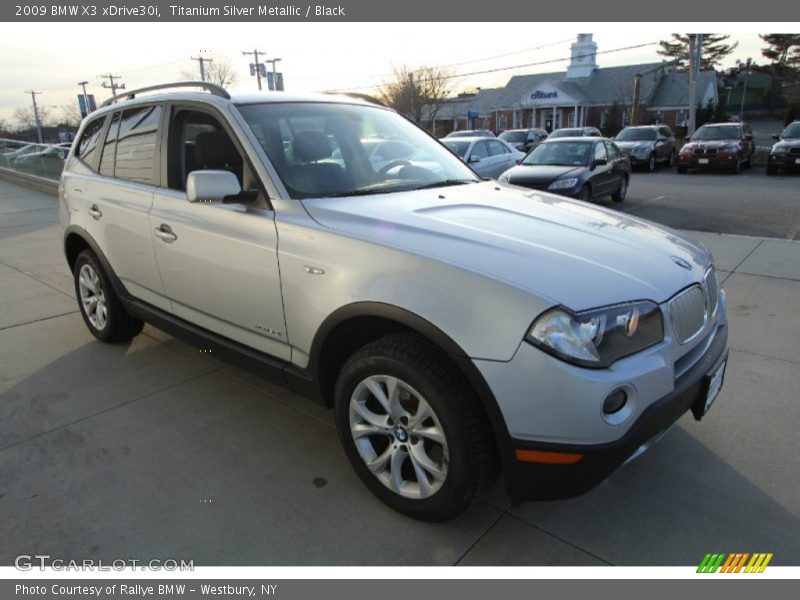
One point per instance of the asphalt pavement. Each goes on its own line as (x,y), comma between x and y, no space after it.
(750,203)
(155,450)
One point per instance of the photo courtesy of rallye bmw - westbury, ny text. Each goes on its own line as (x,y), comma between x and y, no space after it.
(398,299)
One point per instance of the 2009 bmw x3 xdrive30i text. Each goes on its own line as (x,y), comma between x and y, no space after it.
(458,328)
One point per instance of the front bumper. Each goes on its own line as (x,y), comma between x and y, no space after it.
(790,162)
(539,481)
(707,161)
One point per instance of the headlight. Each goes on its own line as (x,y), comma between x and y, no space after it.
(778,149)
(596,338)
(563,184)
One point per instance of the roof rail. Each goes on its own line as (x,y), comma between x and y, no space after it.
(215,89)
(358,96)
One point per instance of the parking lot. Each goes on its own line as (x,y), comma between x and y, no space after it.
(156,450)
(750,203)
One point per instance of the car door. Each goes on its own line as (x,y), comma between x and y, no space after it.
(119,199)
(618,163)
(501,156)
(602,178)
(479,160)
(218,262)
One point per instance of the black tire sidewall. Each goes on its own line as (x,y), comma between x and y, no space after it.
(450,499)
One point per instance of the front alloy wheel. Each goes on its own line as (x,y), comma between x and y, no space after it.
(398,436)
(413,428)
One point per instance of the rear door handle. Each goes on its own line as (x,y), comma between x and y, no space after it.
(164,233)
(95,212)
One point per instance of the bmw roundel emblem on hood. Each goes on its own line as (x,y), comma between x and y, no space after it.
(681,263)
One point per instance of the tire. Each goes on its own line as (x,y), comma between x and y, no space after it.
(772,170)
(99,305)
(737,166)
(585,193)
(651,163)
(671,159)
(456,458)
(622,191)
(682,170)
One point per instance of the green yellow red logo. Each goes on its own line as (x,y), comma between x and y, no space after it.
(738,562)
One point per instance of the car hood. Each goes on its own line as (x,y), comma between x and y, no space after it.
(541,174)
(632,145)
(788,143)
(564,251)
(714,143)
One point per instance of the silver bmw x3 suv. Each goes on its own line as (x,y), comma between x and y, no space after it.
(459,328)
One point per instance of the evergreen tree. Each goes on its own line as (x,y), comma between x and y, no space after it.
(715,48)
(782,51)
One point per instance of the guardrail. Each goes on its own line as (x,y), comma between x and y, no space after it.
(44,161)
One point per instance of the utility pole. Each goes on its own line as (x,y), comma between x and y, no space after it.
(637,86)
(202,60)
(113,86)
(255,54)
(695,57)
(36,115)
(274,74)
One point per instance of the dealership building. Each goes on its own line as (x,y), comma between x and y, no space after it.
(583,95)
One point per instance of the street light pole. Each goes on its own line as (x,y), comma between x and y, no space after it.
(744,90)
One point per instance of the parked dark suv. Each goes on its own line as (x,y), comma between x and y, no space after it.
(726,146)
(647,145)
(524,140)
(785,154)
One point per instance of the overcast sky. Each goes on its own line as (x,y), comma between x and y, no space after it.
(53,57)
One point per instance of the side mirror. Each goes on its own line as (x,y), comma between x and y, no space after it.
(748,136)
(211,186)
(474,159)
(599,162)
(688,138)
(776,136)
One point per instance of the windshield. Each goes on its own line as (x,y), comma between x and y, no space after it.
(792,131)
(573,154)
(514,137)
(636,135)
(726,132)
(566,133)
(458,147)
(322,149)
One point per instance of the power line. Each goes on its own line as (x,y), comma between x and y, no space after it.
(488,58)
(512,67)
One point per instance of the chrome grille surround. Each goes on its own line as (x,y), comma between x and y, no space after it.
(689,313)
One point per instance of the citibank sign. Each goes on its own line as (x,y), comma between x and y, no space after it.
(540,95)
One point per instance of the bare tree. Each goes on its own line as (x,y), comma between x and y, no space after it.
(71,114)
(416,93)
(220,71)
(26,120)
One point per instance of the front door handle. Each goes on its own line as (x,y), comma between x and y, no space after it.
(95,212)
(164,232)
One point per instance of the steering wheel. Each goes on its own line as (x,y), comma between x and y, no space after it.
(392,164)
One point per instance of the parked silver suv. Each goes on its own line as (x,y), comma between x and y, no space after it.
(457,327)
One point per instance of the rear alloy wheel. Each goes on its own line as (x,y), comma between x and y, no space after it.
(100,307)
(619,195)
(413,428)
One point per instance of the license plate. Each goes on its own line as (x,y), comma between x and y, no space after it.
(702,161)
(797,161)
(714,385)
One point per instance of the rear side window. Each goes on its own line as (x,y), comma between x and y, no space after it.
(136,144)
(109,148)
(86,150)
(497,148)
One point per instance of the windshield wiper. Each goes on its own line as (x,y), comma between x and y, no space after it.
(443,183)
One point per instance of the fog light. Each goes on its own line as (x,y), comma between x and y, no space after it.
(614,402)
